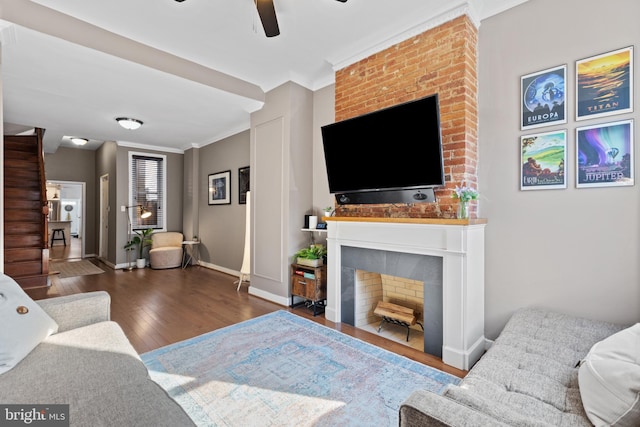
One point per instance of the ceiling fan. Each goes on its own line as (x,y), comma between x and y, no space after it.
(267,13)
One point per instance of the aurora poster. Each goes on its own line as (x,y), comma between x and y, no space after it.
(604,84)
(543,161)
(543,98)
(604,155)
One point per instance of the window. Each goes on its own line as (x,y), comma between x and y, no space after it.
(147,185)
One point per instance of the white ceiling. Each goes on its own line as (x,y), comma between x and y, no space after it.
(191,71)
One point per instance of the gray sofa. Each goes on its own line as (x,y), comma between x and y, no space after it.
(529,377)
(90,365)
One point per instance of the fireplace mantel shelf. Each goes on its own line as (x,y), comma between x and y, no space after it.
(436,221)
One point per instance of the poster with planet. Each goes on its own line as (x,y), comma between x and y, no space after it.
(604,84)
(604,155)
(542,164)
(543,98)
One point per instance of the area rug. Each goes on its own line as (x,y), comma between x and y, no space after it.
(284,370)
(74,268)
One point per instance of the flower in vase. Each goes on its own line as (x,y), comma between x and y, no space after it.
(465,193)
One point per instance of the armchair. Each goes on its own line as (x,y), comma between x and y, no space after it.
(166,250)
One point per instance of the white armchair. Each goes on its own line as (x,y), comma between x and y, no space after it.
(166,250)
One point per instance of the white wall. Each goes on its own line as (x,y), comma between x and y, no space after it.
(574,250)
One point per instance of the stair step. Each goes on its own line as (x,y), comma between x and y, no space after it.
(11,155)
(22,241)
(25,205)
(23,227)
(20,193)
(23,268)
(22,254)
(31,282)
(23,164)
(28,173)
(17,181)
(19,215)
(21,143)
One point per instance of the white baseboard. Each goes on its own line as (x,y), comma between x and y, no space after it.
(219,268)
(284,301)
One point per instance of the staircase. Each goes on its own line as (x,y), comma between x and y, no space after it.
(26,243)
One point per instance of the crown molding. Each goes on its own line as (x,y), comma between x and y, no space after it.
(465,8)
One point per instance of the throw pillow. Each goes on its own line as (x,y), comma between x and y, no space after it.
(609,380)
(23,324)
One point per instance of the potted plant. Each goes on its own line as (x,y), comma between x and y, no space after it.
(313,256)
(328,211)
(141,240)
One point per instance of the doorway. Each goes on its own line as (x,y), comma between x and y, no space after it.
(67,209)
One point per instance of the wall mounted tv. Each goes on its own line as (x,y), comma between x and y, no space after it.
(393,155)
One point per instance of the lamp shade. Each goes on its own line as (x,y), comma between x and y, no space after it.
(129,123)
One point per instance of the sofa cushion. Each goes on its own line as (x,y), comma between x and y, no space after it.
(609,379)
(98,373)
(530,371)
(23,324)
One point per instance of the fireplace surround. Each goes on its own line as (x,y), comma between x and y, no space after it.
(455,248)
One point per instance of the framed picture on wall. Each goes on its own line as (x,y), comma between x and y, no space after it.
(220,188)
(542,100)
(604,155)
(604,84)
(243,184)
(542,165)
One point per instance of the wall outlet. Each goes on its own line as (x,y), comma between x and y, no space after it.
(123,208)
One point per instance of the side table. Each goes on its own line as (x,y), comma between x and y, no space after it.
(191,252)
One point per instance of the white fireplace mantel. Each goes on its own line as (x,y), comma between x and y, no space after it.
(461,245)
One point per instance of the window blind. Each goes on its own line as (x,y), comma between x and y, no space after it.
(147,184)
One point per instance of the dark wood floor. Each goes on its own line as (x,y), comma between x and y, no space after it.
(160,307)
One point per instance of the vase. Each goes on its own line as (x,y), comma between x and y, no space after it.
(463,210)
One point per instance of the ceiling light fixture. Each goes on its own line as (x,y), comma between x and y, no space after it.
(128,123)
(79,141)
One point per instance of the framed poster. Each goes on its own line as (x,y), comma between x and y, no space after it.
(220,188)
(243,184)
(604,84)
(604,155)
(542,164)
(543,98)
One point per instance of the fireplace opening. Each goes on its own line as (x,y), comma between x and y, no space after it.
(405,279)
(371,288)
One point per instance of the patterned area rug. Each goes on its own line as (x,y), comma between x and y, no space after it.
(74,268)
(284,370)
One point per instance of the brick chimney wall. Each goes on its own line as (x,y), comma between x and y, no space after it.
(441,60)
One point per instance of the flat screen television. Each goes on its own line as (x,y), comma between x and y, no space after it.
(393,155)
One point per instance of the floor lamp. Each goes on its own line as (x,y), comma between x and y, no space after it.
(143,214)
(245,270)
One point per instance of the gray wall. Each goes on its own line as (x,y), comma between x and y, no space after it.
(323,114)
(106,164)
(57,168)
(221,227)
(175,171)
(574,250)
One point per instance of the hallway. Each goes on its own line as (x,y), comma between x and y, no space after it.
(59,251)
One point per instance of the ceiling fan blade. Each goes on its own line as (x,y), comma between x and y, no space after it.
(267,13)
